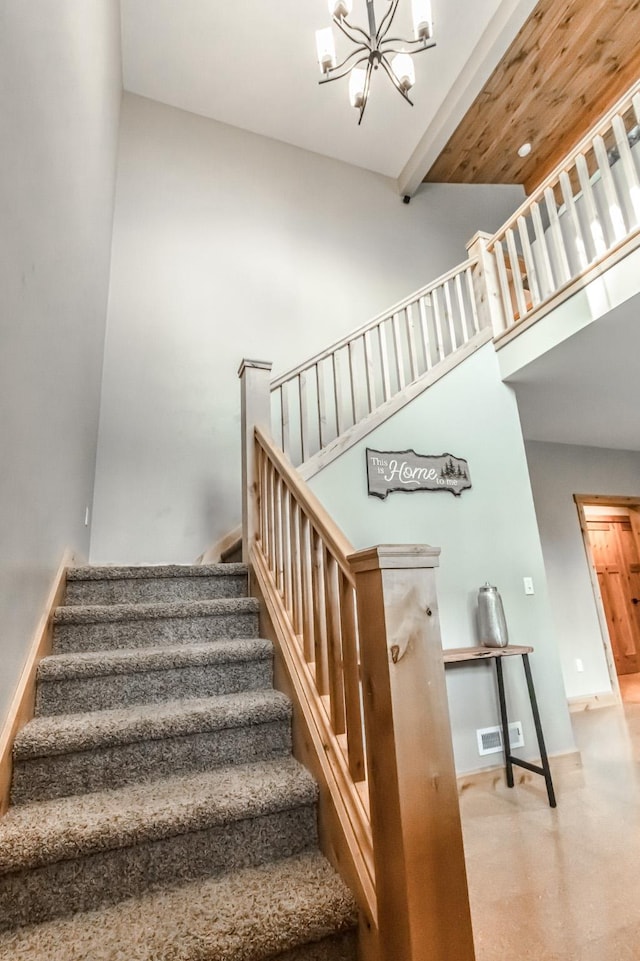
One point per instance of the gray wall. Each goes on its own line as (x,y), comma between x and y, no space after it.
(60,92)
(487,533)
(558,471)
(227,244)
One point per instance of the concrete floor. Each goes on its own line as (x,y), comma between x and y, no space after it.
(562,885)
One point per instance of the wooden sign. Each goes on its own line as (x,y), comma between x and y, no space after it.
(389,471)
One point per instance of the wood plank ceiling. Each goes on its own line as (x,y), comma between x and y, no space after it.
(571,60)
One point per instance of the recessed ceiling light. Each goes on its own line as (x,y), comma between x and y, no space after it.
(524,150)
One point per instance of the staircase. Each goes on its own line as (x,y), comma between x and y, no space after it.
(157,812)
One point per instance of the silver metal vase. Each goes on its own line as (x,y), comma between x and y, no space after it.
(492,625)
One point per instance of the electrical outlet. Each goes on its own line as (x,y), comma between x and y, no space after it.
(528,585)
(579,665)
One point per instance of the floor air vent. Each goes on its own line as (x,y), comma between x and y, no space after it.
(490,738)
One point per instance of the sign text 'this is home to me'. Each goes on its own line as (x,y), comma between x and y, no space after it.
(389,471)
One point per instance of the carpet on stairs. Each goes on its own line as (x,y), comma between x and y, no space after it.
(157,812)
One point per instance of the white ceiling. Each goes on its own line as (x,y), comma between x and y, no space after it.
(252,64)
(586,391)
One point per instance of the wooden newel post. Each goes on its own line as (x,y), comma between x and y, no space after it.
(256,412)
(421,881)
(486,285)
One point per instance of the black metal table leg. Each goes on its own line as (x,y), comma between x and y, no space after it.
(536,720)
(505,722)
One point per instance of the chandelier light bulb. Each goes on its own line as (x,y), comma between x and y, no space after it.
(422,19)
(357,80)
(326,49)
(340,8)
(403,68)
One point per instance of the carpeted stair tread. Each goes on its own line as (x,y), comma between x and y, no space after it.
(48,831)
(138,660)
(109,613)
(166,583)
(253,914)
(67,733)
(155,571)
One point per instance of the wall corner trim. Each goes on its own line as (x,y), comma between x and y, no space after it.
(22,705)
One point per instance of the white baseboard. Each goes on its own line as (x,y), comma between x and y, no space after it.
(592,701)
(486,777)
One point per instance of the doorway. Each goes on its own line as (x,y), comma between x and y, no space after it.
(611,530)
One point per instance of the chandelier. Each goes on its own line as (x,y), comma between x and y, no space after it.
(373,48)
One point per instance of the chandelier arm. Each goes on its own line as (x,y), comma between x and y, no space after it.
(419,44)
(387,20)
(365,92)
(394,80)
(340,24)
(332,73)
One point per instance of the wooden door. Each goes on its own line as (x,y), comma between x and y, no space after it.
(617,562)
(634,518)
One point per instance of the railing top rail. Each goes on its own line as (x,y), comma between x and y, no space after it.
(322,521)
(602,125)
(370,324)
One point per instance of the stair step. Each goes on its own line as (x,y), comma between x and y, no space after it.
(74,854)
(166,583)
(286,910)
(82,753)
(97,680)
(103,626)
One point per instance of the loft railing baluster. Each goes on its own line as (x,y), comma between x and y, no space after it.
(629,172)
(462,313)
(411,338)
(451,320)
(438,325)
(472,299)
(424,327)
(384,362)
(529,263)
(612,207)
(368,368)
(547,285)
(567,194)
(561,266)
(503,279)
(596,232)
(516,275)
(397,349)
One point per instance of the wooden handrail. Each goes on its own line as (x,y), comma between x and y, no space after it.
(357,634)
(318,400)
(370,324)
(333,537)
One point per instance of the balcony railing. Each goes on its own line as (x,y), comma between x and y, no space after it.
(325,396)
(587,210)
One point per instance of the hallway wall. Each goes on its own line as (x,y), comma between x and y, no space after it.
(60,92)
(230,245)
(558,471)
(487,533)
